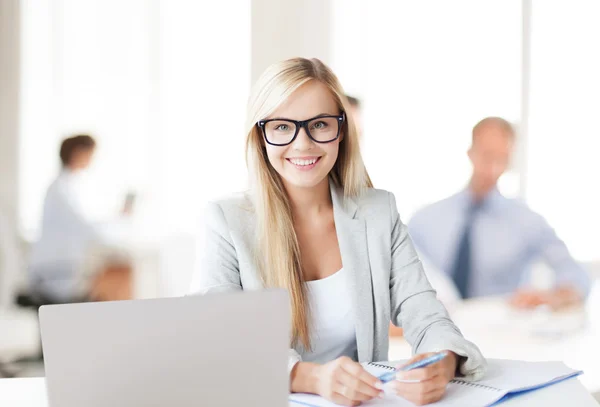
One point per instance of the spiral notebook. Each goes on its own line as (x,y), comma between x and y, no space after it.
(504,379)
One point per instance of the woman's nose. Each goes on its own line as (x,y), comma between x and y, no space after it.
(303,141)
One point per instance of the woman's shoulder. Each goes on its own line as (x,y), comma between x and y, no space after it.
(376,204)
(234,207)
(375,198)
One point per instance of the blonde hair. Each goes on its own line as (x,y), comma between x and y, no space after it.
(278,251)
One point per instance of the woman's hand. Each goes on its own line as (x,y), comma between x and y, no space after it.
(342,381)
(346,382)
(428,384)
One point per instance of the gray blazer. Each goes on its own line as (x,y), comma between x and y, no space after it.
(388,282)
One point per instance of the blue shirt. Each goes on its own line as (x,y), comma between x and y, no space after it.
(507,239)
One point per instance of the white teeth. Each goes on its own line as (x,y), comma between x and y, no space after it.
(303,162)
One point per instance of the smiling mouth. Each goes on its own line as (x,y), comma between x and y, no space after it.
(304,162)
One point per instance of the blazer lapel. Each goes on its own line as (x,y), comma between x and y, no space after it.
(352,239)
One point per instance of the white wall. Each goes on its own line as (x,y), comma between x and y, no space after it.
(9,147)
(286,29)
(9,111)
(564,131)
(204,77)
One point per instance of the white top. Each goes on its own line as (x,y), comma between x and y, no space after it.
(332,319)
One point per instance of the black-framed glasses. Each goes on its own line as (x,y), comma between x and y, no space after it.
(321,129)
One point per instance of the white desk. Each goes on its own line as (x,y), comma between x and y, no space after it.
(503,333)
(32,393)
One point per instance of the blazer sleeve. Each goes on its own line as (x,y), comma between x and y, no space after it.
(415,307)
(217,269)
(217,264)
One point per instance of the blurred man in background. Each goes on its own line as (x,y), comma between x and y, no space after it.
(69,234)
(487,243)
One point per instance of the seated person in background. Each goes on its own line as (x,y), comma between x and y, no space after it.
(487,243)
(68,233)
(312,223)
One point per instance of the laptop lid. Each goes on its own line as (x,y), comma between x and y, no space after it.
(215,350)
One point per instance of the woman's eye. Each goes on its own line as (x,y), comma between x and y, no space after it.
(319,125)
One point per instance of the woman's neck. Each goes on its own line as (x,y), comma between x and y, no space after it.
(309,202)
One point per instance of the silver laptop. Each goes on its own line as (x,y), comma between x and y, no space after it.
(215,350)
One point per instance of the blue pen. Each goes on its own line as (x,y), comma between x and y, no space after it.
(388,377)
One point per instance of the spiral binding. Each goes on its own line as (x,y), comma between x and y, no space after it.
(381,366)
(473,384)
(455,381)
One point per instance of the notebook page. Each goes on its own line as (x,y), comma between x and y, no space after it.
(515,375)
(502,377)
(457,395)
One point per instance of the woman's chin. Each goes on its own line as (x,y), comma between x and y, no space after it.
(305,181)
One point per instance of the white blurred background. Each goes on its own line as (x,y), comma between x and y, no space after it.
(162,86)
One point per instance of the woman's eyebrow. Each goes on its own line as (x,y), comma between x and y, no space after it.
(326,114)
(313,117)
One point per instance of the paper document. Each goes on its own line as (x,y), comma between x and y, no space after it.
(503,378)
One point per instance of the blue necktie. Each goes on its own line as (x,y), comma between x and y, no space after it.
(461,272)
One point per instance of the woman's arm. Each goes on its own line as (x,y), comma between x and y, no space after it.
(342,381)
(217,264)
(415,307)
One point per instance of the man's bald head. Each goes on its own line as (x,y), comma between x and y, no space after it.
(494,123)
(491,148)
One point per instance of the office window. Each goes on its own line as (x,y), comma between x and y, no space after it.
(86,69)
(564,131)
(428,71)
(204,86)
(161,85)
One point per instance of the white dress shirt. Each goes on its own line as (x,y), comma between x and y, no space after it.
(507,240)
(69,231)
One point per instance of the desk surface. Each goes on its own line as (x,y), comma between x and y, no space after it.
(504,333)
(32,393)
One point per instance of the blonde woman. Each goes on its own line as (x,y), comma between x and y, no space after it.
(313,223)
